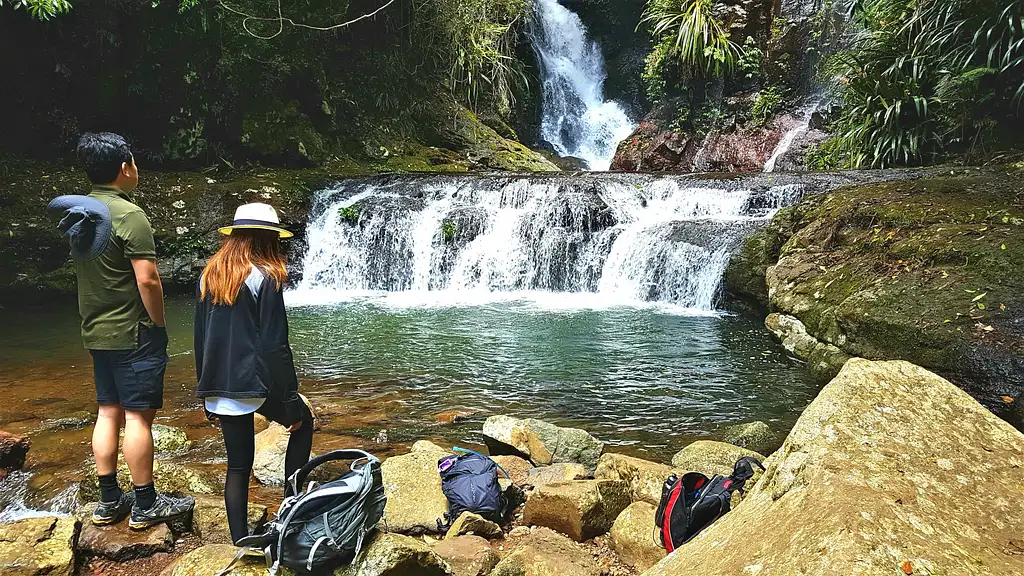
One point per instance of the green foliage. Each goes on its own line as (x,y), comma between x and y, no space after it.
(655,74)
(448,231)
(699,39)
(350,214)
(41,9)
(749,63)
(926,78)
(767,103)
(826,156)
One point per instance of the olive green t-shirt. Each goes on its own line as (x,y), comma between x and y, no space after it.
(108,294)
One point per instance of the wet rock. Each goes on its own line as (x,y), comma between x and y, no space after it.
(395,555)
(469,523)
(170,439)
(645,478)
(580,510)
(546,553)
(120,543)
(413,487)
(542,443)
(517,468)
(824,360)
(210,520)
(76,421)
(260,423)
(38,547)
(556,473)
(167,476)
(271,447)
(925,477)
(13,450)
(468,555)
(756,436)
(632,536)
(710,457)
(453,416)
(212,558)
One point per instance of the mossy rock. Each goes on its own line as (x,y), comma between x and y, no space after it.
(283,133)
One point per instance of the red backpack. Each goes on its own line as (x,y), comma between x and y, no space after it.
(692,502)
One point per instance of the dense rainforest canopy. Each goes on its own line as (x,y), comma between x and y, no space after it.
(195,82)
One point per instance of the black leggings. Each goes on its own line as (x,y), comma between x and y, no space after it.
(241,448)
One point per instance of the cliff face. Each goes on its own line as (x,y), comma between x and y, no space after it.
(737,123)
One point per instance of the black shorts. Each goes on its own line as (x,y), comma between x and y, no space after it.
(133,379)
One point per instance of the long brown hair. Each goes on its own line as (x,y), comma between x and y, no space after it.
(232,264)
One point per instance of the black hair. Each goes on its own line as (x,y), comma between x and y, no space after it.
(102,154)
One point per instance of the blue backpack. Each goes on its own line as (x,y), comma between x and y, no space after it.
(470,483)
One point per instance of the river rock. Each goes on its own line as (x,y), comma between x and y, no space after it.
(210,520)
(212,558)
(546,553)
(756,436)
(13,450)
(926,479)
(633,536)
(468,555)
(120,543)
(517,468)
(710,457)
(561,472)
(824,360)
(645,478)
(395,555)
(540,442)
(469,523)
(170,439)
(413,487)
(38,547)
(427,446)
(260,423)
(75,421)
(580,510)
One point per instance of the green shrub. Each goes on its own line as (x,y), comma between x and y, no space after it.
(749,63)
(767,104)
(826,156)
(698,38)
(350,214)
(448,231)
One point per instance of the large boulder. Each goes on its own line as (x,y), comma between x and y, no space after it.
(542,443)
(561,472)
(395,555)
(645,478)
(890,470)
(120,543)
(13,450)
(544,552)
(581,510)
(469,523)
(925,270)
(168,439)
(38,547)
(413,488)
(209,560)
(632,536)
(210,520)
(824,360)
(468,555)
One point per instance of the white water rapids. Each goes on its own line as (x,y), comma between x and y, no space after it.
(585,241)
(577,120)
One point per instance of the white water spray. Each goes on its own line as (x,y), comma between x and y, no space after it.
(577,120)
(621,240)
(787,140)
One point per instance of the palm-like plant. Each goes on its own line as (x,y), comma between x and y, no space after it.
(699,38)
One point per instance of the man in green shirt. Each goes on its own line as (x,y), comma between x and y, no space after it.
(121,301)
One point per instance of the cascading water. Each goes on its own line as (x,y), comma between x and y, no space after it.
(789,137)
(577,120)
(605,240)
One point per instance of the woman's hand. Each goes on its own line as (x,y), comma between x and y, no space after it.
(295,426)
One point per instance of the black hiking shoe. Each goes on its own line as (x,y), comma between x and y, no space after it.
(165,509)
(108,513)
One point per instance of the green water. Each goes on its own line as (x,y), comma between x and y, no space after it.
(646,381)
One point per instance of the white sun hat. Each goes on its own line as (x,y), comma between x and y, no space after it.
(256,216)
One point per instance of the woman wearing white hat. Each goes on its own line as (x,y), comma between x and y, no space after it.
(243,358)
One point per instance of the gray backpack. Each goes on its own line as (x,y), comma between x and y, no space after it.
(324,526)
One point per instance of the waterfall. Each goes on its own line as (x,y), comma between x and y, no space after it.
(577,121)
(789,137)
(590,240)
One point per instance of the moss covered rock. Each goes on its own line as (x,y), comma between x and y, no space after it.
(38,546)
(925,270)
